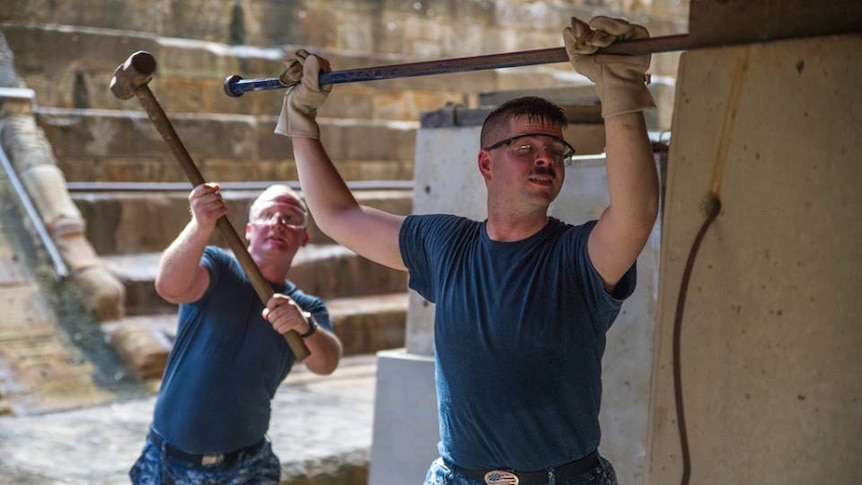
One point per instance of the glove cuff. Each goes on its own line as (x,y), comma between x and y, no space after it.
(297,122)
(625,98)
(622,88)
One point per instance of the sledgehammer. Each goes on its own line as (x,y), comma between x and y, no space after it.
(130,79)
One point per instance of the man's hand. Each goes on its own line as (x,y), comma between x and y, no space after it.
(299,109)
(206,205)
(619,79)
(284,315)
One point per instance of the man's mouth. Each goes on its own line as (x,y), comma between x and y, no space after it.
(543,177)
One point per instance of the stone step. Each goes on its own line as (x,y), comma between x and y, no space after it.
(327,271)
(119,222)
(364,324)
(71,65)
(190,74)
(430,28)
(124,146)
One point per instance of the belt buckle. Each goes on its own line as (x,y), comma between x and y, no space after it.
(501,477)
(208,460)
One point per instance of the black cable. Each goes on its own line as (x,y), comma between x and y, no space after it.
(713,208)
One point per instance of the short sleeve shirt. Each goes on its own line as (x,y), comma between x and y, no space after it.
(519,337)
(226,363)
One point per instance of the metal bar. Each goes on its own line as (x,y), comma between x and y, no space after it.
(236,86)
(61,271)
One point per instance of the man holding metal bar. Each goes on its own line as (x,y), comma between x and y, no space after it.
(523,300)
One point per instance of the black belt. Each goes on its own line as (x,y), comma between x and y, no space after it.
(504,476)
(225,459)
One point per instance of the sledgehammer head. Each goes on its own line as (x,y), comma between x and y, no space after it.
(132,74)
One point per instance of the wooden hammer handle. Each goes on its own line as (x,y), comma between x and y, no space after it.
(260,284)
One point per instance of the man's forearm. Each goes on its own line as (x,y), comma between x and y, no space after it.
(625,226)
(323,188)
(325,352)
(631,171)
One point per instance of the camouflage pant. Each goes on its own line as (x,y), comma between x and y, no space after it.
(155,467)
(440,474)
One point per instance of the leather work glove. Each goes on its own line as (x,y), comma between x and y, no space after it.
(620,79)
(299,109)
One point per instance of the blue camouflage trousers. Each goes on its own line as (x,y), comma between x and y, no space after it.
(155,467)
(440,474)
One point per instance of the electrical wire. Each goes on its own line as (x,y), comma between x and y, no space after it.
(713,208)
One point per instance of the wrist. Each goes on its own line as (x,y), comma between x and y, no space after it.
(312,325)
(620,98)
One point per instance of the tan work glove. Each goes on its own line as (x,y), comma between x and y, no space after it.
(299,109)
(620,79)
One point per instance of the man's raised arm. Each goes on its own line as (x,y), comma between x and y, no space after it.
(369,232)
(624,227)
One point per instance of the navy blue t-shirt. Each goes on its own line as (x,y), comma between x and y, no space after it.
(226,363)
(519,337)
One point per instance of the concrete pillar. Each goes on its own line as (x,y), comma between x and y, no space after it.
(771,332)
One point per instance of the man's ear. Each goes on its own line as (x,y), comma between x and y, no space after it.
(248,231)
(483,160)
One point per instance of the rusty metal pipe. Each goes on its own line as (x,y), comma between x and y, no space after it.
(235,86)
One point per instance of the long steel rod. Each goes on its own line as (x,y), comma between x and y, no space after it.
(236,86)
(61,271)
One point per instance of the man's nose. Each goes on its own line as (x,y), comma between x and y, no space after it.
(545,155)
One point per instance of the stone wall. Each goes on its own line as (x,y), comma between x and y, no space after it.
(411,28)
(68,50)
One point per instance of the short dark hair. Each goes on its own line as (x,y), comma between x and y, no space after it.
(533,107)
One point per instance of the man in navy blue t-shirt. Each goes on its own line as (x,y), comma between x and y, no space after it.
(523,300)
(230,355)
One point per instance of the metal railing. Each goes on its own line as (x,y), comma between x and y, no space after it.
(61,271)
(256,185)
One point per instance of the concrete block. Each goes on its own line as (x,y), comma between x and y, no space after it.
(405,436)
